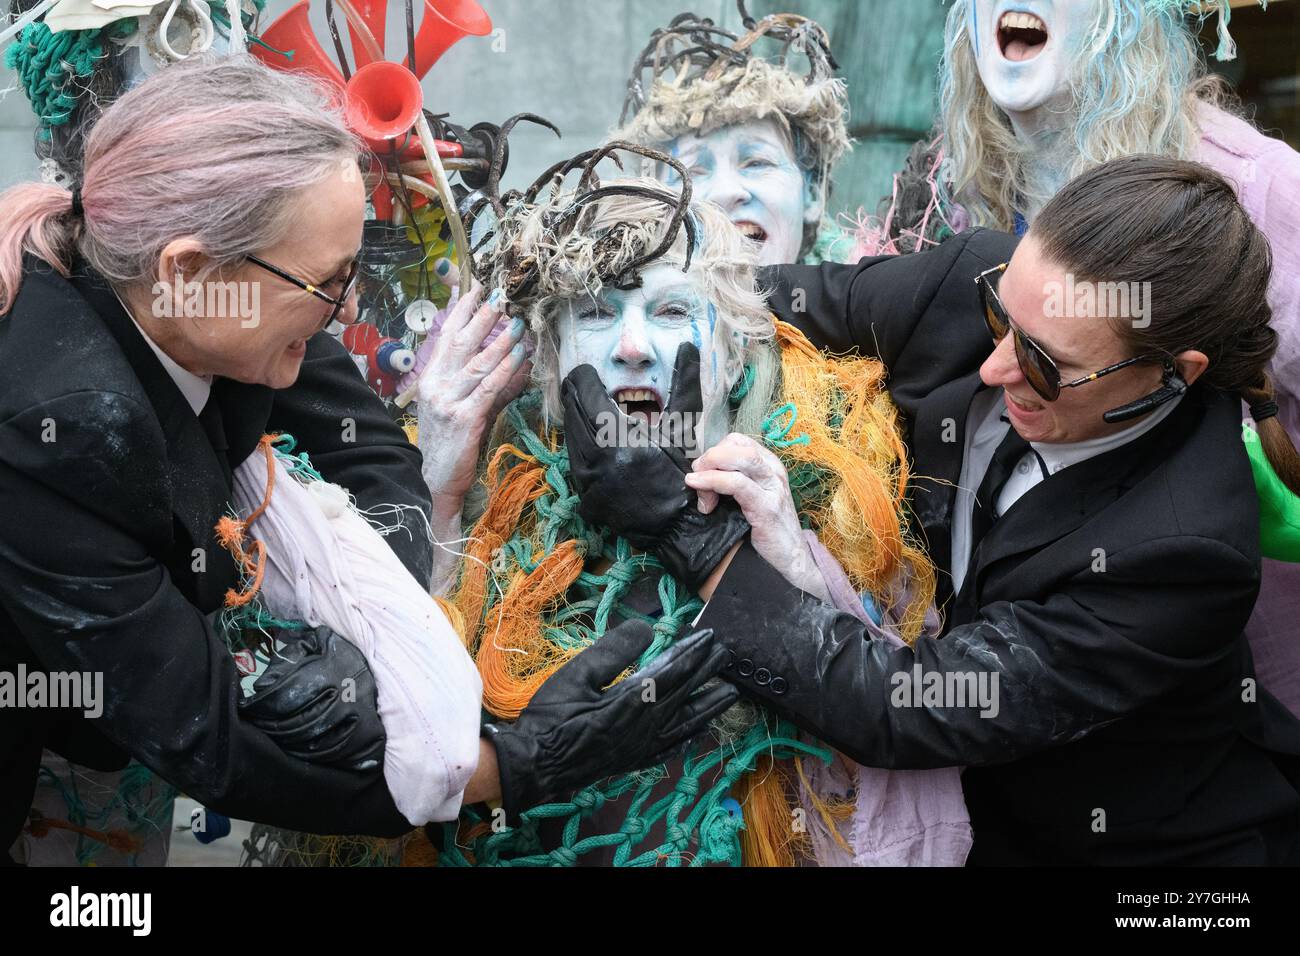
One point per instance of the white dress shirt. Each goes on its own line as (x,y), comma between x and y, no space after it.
(195,388)
(985,429)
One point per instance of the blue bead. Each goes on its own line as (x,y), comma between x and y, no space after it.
(216,826)
(872,609)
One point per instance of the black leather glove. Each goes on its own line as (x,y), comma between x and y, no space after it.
(299,702)
(573,733)
(640,492)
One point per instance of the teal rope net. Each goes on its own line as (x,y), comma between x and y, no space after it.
(141,805)
(54,68)
(701,821)
(833,244)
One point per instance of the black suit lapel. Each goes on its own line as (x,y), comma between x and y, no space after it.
(938,443)
(1064,502)
(244,412)
(199,479)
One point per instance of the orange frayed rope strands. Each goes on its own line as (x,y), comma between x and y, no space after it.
(232,534)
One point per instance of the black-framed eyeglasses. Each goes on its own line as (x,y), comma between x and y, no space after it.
(349,283)
(1039,369)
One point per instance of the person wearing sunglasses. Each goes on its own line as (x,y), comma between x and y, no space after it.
(1081,484)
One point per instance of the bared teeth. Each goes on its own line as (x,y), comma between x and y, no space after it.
(751,230)
(634,395)
(1021,21)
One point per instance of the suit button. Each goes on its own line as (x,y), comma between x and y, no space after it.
(778,685)
(745,667)
(762,677)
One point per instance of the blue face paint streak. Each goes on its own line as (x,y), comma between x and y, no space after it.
(713,318)
(669,175)
(975,27)
(631,338)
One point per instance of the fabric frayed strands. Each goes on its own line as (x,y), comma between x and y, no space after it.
(275,847)
(93,817)
(316,561)
(919,211)
(1227,49)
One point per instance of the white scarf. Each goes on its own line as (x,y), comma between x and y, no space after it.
(326,565)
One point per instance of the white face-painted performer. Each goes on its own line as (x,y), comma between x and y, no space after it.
(637,297)
(1025,66)
(631,338)
(751,171)
(757,137)
(1034,92)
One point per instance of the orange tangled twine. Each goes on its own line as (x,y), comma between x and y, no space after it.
(125,843)
(852,429)
(232,533)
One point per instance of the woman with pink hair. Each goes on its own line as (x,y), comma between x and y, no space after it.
(156,322)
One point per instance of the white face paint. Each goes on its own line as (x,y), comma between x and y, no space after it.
(750,171)
(1025,48)
(631,339)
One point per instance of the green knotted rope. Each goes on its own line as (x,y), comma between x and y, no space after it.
(698,827)
(142,801)
(53,67)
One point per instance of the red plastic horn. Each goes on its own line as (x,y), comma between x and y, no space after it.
(293,34)
(382,100)
(445,22)
(383,103)
(374,13)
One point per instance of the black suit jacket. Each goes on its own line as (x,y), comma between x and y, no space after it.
(1109,600)
(111,487)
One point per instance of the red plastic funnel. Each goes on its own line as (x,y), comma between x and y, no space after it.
(445,22)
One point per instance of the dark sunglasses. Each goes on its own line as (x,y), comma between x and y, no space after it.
(1036,365)
(349,283)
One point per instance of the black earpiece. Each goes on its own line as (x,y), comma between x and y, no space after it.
(1171,388)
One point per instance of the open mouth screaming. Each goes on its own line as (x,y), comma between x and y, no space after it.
(752,231)
(1021,36)
(643,402)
